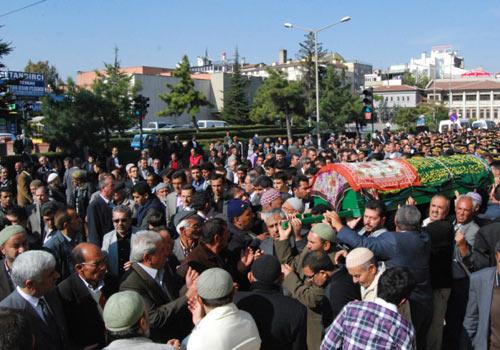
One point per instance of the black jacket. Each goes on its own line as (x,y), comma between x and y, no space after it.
(85,327)
(6,284)
(168,313)
(483,253)
(281,320)
(442,243)
(100,220)
(143,212)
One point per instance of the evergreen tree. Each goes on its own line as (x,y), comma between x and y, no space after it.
(307,55)
(5,96)
(236,107)
(336,100)
(182,97)
(75,120)
(117,90)
(278,98)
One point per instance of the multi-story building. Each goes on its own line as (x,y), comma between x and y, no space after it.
(471,98)
(153,80)
(294,69)
(394,96)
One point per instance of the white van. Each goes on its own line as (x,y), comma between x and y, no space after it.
(445,125)
(203,124)
(461,124)
(483,124)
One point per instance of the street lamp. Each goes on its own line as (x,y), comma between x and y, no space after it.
(315,32)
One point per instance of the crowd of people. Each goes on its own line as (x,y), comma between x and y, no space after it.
(186,248)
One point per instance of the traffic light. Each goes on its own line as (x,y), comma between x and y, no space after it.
(140,106)
(368,103)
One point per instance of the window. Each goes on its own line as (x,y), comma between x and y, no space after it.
(397,98)
(457,98)
(496,97)
(407,98)
(481,113)
(391,98)
(487,114)
(495,114)
(468,97)
(484,97)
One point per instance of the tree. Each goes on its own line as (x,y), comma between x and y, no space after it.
(307,55)
(419,80)
(5,96)
(236,107)
(49,72)
(278,98)
(406,117)
(182,97)
(116,90)
(74,121)
(336,100)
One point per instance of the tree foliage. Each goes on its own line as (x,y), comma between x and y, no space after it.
(278,98)
(5,96)
(307,55)
(337,103)
(49,72)
(83,113)
(117,90)
(236,107)
(75,120)
(420,80)
(182,97)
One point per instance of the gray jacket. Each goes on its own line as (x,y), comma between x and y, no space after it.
(110,246)
(477,316)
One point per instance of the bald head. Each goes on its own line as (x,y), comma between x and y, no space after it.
(90,263)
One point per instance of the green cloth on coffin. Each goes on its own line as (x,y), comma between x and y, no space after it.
(446,174)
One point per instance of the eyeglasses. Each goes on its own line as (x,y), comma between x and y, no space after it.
(310,278)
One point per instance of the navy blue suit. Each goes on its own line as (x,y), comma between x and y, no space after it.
(403,249)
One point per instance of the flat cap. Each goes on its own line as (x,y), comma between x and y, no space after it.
(183,215)
(214,283)
(10,231)
(123,310)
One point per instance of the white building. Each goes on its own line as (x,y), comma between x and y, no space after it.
(442,62)
(471,98)
(294,69)
(394,96)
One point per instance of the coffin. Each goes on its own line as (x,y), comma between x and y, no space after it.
(348,186)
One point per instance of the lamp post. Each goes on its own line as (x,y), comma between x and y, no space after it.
(315,32)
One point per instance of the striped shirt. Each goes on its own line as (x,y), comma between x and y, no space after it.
(369,325)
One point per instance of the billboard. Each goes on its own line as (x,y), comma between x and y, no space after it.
(28,84)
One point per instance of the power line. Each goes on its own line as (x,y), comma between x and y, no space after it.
(22,8)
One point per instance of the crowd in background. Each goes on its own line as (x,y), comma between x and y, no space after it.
(204,248)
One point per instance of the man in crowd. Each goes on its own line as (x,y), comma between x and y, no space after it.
(386,329)
(160,289)
(62,242)
(13,241)
(281,320)
(188,225)
(99,215)
(117,242)
(481,322)
(83,295)
(126,320)
(147,203)
(407,247)
(34,275)
(219,324)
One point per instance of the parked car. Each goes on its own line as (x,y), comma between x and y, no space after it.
(205,124)
(155,126)
(483,124)
(146,139)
